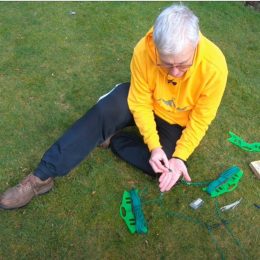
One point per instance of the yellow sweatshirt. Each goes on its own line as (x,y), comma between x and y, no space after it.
(191,103)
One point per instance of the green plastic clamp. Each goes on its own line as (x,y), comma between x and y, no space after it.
(227,182)
(236,140)
(126,212)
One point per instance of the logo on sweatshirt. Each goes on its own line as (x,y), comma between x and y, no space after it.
(171,103)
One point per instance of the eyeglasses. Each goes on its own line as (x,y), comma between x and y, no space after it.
(182,67)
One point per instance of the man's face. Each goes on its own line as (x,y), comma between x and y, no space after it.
(177,65)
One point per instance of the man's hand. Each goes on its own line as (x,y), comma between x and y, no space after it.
(176,169)
(159,160)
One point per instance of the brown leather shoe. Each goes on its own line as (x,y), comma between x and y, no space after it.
(22,193)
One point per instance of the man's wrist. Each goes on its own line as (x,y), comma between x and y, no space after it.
(178,158)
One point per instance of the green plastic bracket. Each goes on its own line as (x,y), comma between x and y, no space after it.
(126,212)
(236,140)
(227,182)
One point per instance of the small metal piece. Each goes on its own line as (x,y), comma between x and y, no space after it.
(230,206)
(197,203)
(72,13)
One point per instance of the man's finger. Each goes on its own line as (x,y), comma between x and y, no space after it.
(165,161)
(160,166)
(162,176)
(165,182)
(155,168)
(173,180)
(186,175)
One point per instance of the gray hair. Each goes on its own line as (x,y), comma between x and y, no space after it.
(174,29)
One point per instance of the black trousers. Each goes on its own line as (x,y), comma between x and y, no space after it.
(109,115)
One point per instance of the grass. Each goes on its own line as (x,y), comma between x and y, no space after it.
(53,68)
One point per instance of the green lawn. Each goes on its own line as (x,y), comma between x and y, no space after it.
(53,67)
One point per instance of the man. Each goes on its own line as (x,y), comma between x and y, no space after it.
(178,78)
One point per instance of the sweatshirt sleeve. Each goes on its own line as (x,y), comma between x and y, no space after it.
(140,101)
(202,115)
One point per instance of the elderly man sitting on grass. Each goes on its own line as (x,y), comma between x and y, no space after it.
(178,77)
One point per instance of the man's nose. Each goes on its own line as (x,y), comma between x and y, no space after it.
(174,71)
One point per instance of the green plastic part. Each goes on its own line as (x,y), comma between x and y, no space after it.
(227,182)
(126,212)
(236,140)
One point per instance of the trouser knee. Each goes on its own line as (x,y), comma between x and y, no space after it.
(113,109)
